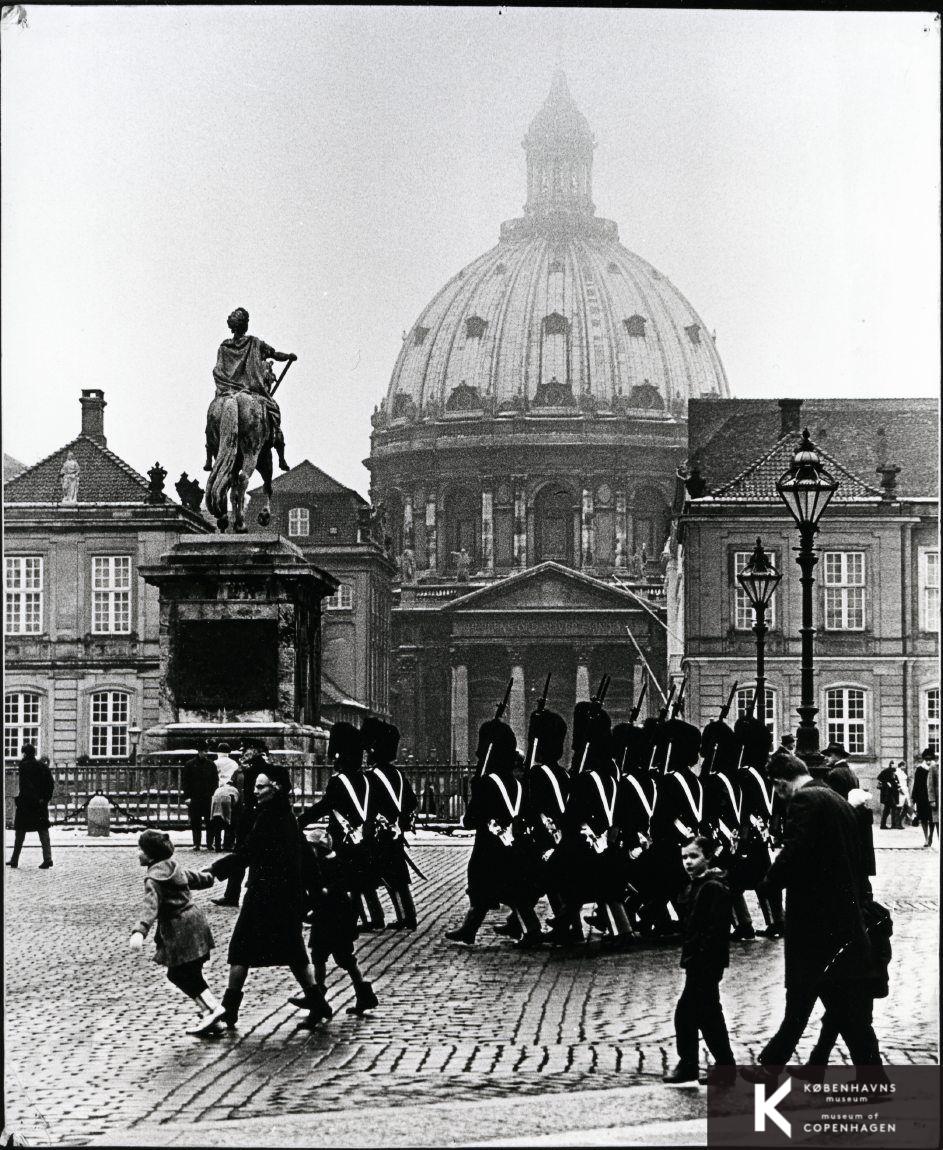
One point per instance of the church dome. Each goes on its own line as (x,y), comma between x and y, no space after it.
(558,315)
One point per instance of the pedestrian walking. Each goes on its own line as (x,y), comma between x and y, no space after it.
(268,929)
(889,794)
(933,795)
(183,935)
(199,780)
(705,908)
(903,797)
(223,807)
(920,797)
(36,786)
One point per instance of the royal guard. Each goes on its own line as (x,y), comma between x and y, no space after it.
(547,791)
(679,812)
(635,808)
(394,802)
(755,741)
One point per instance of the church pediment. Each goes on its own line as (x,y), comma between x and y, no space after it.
(547,587)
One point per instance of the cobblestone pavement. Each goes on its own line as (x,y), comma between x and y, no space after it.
(94,1042)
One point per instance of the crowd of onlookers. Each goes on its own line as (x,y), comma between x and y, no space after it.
(912,797)
(213,787)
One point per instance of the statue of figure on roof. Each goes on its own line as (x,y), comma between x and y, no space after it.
(407,565)
(69,474)
(189,492)
(155,487)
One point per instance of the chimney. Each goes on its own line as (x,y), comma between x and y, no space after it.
(789,416)
(888,474)
(93,414)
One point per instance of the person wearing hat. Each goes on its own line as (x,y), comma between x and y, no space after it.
(36,786)
(199,779)
(495,814)
(349,802)
(394,802)
(183,936)
(268,929)
(889,794)
(837,770)
(759,813)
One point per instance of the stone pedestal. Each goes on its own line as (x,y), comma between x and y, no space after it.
(240,643)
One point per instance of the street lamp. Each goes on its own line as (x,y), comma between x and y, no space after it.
(807,489)
(759,579)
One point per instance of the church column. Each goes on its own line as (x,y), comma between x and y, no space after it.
(621,543)
(520,522)
(487,531)
(517,706)
(459,707)
(432,537)
(588,534)
(408,537)
(582,675)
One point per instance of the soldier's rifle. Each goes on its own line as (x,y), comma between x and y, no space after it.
(678,706)
(637,709)
(596,702)
(661,720)
(724,712)
(498,713)
(541,703)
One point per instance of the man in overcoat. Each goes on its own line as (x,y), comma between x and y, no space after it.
(32,805)
(827,951)
(199,779)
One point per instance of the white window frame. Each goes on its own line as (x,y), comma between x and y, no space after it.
(342,599)
(930,727)
(113,726)
(841,727)
(929,571)
(299,523)
(844,590)
(743,614)
(17,728)
(23,594)
(111,585)
(744,698)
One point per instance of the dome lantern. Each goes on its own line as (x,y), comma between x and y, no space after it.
(559,146)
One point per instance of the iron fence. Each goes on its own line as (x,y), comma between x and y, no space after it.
(153,795)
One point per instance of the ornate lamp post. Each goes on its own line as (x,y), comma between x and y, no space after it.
(759,579)
(806,489)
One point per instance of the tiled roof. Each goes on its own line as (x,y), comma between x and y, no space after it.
(103,477)
(11,467)
(304,476)
(757,483)
(730,436)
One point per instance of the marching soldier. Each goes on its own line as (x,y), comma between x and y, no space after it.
(394,802)
(635,808)
(347,800)
(679,812)
(547,790)
(758,814)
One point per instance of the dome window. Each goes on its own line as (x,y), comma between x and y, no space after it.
(475,327)
(646,396)
(635,325)
(500,270)
(556,266)
(556,324)
(615,270)
(420,336)
(694,333)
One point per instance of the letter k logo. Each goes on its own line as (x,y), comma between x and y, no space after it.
(764,1108)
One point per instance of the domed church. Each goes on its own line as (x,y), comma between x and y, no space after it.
(525,461)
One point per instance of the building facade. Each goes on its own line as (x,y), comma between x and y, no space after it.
(81,628)
(877,590)
(524,457)
(335,529)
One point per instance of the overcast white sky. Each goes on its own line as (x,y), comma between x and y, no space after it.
(330,168)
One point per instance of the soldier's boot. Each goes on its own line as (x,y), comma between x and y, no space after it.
(465,935)
(318,1009)
(366,999)
(397,910)
(231,1002)
(409,909)
(211,1011)
(377,919)
(511,927)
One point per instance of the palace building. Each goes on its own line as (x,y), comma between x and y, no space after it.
(525,460)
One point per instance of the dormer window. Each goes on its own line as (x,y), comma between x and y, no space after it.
(420,334)
(635,325)
(299,522)
(475,327)
(556,324)
(694,333)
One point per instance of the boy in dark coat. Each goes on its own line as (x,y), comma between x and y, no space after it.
(183,935)
(704,904)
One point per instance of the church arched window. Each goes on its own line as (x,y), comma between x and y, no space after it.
(554,510)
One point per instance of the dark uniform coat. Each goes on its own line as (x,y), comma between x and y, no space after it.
(492,875)
(32,800)
(393,801)
(597,875)
(758,814)
(679,814)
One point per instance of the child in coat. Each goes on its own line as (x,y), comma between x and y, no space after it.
(333,919)
(705,906)
(183,935)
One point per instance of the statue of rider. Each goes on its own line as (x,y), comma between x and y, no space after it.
(243,363)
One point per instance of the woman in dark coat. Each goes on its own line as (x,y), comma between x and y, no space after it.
(268,929)
(32,805)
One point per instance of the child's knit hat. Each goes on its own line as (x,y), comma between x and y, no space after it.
(156,845)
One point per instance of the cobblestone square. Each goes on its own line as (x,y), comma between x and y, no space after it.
(95,1048)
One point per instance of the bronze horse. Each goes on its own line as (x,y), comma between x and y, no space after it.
(239,436)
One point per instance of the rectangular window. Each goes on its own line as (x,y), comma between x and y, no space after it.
(111,594)
(743,609)
(930,591)
(844,590)
(109,726)
(23,585)
(932,730)
(299,522)
(845,718)
(21,723)
(745,698)
(341,600)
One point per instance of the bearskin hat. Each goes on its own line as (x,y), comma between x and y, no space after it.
(549,729)
(371,733)
(720,748)
(503,743)
(592,737)
(345,746)
(684,744)
(631,747)
(381,740)
(755,738)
